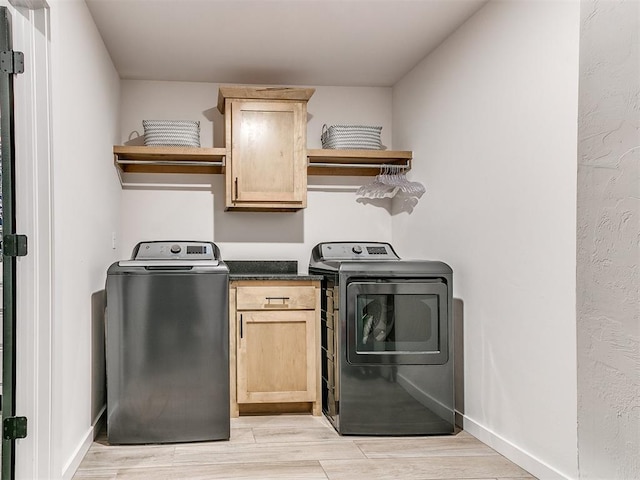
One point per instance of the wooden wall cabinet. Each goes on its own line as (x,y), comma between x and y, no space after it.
(275,346)
(266,138)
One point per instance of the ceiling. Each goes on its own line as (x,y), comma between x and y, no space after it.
(290,42)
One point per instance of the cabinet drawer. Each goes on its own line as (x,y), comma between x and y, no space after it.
(276,298)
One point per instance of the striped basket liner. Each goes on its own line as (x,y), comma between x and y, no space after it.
(351,137)
(175,133)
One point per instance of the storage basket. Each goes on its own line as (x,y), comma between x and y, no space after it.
(351,137)
(176,133)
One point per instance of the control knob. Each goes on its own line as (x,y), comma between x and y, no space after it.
(357,249)
(175,248)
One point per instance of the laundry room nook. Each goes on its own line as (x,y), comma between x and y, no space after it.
(320,239)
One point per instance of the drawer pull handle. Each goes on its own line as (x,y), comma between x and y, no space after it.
(241,332)
(283,299)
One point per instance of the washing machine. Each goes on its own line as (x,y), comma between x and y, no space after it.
(387,340)
(167,345)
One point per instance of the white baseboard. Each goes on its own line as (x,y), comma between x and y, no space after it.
(74,462)
(525,460)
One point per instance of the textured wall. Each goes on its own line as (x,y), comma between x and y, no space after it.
(608,323)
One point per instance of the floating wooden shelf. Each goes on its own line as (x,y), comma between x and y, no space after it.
(354,162)
(143,159)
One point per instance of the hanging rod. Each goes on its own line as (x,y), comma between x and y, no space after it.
(180,163)
(356,165)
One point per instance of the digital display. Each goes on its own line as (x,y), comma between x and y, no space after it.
(196,249)
(376,250)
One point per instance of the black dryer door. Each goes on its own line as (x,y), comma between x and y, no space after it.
(397,322)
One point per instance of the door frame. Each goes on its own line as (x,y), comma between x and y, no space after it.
(34,455)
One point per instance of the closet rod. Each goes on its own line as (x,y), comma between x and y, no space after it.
(357,165)
(171,163)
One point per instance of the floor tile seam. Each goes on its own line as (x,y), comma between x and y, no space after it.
(308,422)
(230,465)
(529,474)
(355,444)
(163,464)
(427,455)
(293,433)
(423,444)
(94,473)
(292,444)
(94,469)
(81,477)
(421,438)
(426,445)
(319,428)
(323,470)
(249,461)
(115,470)
(239,445)
(298,441)
(308,432)
(457,478)
(420,458)
(445,477)
(131,446)
(261,462)
(253,436)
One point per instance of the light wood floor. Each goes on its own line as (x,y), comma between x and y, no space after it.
(300,447)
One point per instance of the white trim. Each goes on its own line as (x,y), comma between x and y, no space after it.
(525,460)
(72,465)
(33,218)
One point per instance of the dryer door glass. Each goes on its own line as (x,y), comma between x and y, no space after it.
(397,322)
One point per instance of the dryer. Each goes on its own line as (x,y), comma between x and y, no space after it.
(387,340)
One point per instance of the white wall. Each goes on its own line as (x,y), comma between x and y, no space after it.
(608,231)
(192,206)
(86,209)
(491,118)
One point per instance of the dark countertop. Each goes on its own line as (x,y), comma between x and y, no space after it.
(266,270)
(272,276)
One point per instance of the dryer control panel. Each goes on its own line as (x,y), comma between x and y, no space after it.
(336,251)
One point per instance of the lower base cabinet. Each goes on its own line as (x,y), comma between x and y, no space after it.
(275,346)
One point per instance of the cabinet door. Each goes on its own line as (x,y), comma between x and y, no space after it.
(268,153)
(276,356)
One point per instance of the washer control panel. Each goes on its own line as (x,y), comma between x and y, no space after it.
(174,251)
(357,251)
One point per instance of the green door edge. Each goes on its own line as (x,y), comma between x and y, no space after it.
(9,263)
